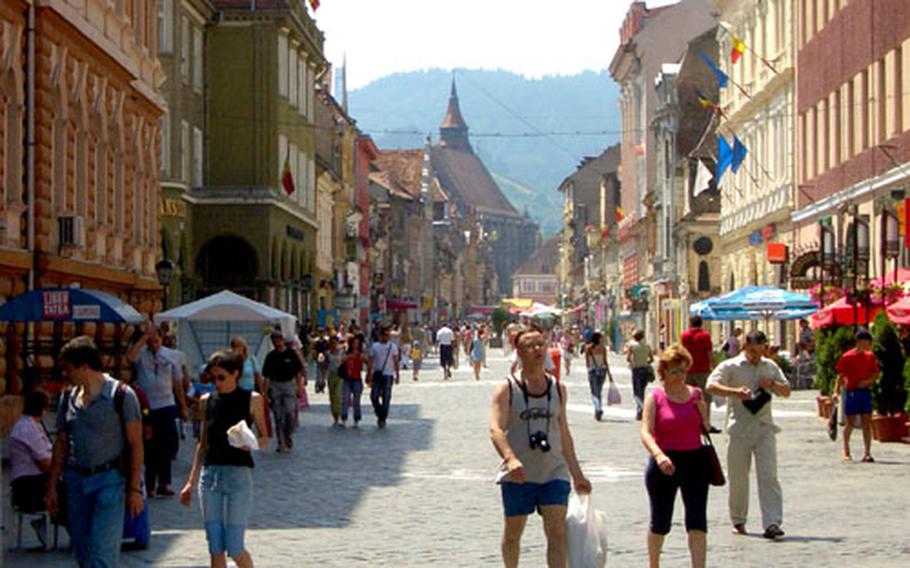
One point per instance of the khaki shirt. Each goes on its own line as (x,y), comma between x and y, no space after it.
(738,372)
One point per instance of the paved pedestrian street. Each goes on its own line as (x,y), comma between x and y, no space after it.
(421,492)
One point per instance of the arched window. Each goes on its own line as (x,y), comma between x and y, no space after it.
(704,277)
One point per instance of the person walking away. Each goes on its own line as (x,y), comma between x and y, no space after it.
(284,383)
(445,339)
(639,355)
(335,382)
(162,382)
(169,349)
(750,380)
(321,348)
(857,371)
(529,430)
(404,346)
(382,369)
(99,429)
(598,371)
(30,460)
(416,358)
(674,415)
(697,342)
(226,480)
(733,345)
(477,353)
(352,389)
(568,351)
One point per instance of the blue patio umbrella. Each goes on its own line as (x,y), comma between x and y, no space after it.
(69,304)
(755,303)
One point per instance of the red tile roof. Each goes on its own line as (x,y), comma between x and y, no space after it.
(462,175)
(404,168)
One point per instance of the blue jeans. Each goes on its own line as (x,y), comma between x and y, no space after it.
(96,509)
(226,496)
(350,395)
(596,378)
(640,378)
(381,396)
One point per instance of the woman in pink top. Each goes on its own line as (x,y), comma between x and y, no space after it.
(672,422)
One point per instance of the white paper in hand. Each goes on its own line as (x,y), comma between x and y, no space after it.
(240,435)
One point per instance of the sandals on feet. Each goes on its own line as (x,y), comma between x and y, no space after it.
(868,459)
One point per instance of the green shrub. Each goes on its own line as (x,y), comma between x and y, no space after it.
(888,393)
(830,344)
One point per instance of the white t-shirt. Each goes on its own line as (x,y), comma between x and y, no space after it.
(445,336)
(380,353)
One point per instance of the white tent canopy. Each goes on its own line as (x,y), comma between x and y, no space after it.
(209,324)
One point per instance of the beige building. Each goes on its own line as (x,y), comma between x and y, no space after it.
(757,201)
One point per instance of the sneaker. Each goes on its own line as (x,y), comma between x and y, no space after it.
(39,525)
(739,528)
(773,532)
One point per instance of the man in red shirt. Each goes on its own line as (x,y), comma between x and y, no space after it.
(698,343)
(857,369)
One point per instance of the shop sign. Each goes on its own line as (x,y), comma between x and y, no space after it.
(755,238)
(777,253)
(294,233)
(55,305)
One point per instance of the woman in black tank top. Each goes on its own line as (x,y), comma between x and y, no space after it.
(226,483)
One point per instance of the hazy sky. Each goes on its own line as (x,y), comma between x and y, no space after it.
(530,37)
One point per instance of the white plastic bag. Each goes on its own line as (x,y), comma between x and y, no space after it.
(240,435)
(613,396)
(586,533)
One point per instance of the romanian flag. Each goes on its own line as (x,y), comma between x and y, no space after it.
(708,104)
(620,214)
(314,4)
(287,178)
(738,49)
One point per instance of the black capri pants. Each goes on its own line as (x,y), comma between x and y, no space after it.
(691,478)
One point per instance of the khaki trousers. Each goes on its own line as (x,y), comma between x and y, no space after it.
(758,440)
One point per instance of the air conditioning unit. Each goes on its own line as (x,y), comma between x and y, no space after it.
(72,230)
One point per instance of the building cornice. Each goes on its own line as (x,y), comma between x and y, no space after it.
(248,196)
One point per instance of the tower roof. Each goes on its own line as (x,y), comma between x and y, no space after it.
(453,118)
(453,132)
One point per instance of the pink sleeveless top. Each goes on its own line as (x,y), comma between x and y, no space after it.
(677,425)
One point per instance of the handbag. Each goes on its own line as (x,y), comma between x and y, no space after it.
(759,399)
(715,471)
(832,423)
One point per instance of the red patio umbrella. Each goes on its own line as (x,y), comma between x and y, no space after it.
(842,313)
(903,275)
(899,311)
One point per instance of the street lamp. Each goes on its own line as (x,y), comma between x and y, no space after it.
(164,269)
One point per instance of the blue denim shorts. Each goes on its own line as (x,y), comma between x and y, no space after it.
(858,401)
(226,493)
(524,498)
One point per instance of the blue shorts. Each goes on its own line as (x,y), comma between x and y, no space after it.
(858,401)
(524,498)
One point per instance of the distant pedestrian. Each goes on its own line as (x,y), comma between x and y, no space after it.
(857,371)
(733,345)
(416,358)
(30,460)
(335,355)
(283,372)
(598,371)
(161,380)
(529,430)
(382,371)
(352,389)
(321,348)
(99,428)
(640,355)
(749,380)
(445,339)
(697,342)
(806,337)
(251,376)
(477,352)
(226,480)
(674,415)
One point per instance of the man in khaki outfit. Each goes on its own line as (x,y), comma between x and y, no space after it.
(750,380)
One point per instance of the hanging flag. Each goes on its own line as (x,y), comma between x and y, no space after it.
(708,104)
(738,49)
(724,157)
(620,214)
(314,4)
(702,179)
(287,178)
(722,78)
(739,154)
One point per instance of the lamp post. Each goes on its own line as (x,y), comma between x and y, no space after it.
(164,269)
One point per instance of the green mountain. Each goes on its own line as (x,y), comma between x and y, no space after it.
(530,133)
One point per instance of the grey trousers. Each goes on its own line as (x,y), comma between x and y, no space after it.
(283,399)
(758,441)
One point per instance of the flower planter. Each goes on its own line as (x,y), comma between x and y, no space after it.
(824,406)
(889,428)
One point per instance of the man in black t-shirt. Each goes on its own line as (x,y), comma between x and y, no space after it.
(283,372)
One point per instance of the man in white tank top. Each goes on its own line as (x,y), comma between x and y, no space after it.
(528,428)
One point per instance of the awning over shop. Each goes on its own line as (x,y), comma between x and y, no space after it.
(69,304)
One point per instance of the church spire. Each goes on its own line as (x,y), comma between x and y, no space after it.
(453,132)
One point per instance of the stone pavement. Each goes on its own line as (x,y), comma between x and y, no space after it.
(421,492)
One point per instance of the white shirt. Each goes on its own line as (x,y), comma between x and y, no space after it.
(738,372)
(445,336)
(384,353)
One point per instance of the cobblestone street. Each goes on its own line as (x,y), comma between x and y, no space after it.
(421,492)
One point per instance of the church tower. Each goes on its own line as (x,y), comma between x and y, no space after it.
(453,132)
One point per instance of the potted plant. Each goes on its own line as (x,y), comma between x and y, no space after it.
(830,344)
(888,393)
